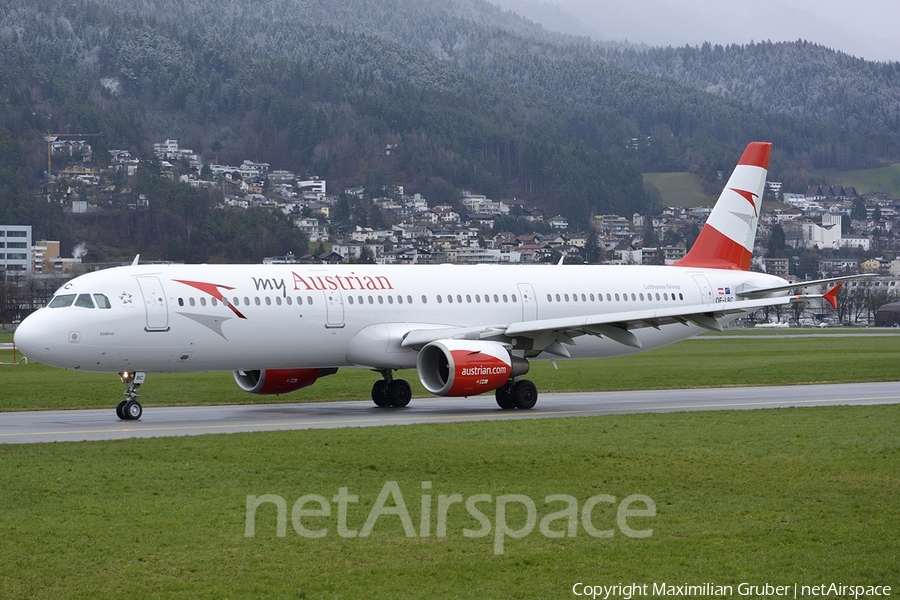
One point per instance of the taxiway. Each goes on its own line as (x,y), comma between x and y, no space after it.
(93,425)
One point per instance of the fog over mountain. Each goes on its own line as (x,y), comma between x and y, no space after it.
(866,29)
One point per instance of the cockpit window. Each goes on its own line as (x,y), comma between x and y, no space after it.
(84,301)
(62,301)
(102,301)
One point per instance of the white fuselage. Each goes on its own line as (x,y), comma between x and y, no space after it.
(173,318)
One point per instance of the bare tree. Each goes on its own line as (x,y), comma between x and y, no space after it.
(797,309)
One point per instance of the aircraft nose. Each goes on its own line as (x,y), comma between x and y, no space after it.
(32,338)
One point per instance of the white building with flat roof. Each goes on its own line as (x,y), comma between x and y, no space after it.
(313,186)
(15,251)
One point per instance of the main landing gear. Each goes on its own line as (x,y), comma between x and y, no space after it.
(390,391)
(130,409)
(520,394)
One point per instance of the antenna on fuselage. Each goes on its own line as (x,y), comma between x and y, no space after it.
(137,259)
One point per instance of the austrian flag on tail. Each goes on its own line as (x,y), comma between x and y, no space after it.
(726,241)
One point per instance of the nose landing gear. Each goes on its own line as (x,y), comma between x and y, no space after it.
(130,409)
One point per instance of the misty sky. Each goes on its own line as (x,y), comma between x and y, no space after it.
(868,29)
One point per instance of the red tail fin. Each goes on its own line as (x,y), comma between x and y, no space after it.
(726,241)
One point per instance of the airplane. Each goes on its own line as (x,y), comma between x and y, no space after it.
(465,329)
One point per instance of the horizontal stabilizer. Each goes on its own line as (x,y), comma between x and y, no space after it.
(831,295)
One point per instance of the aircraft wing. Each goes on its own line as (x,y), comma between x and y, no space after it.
(550,334)
(764,292)
(617,326)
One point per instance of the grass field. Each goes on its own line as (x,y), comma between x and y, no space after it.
(783,496)
(805,496)
(684,189)
(741,358)
(885,179)
(679,189)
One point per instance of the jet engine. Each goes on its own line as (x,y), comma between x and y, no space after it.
(466,367)
(278,381)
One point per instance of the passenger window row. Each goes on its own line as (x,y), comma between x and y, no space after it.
(101,301)
(354,300)
(610,297)
(247,301)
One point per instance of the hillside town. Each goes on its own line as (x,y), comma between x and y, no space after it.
(824,231)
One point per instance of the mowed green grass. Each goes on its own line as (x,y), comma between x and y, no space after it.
(684,189)
(867,181)
(770,359)
(785,496)
(781,496)
(679,189)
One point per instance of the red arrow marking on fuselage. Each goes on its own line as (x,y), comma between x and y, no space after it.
(213,290)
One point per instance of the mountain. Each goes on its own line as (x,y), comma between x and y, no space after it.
(305,91)
(471,97)
(466,46)
(798,79)
(862,29)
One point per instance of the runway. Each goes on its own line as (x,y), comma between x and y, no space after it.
(93,425)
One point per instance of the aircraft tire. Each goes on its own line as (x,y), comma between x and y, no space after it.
(504,396)
(399,392)
(380,393)
(133,410)
(120,410)
(524,394)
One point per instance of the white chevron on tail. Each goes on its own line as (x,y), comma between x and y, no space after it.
(726,241)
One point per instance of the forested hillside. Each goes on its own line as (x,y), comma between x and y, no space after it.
(332,111)
(473,48)
(471,97)
(799,79)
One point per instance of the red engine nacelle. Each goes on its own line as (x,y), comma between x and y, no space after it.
(278,381)
(466,368)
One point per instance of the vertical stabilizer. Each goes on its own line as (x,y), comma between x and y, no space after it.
(726,241)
